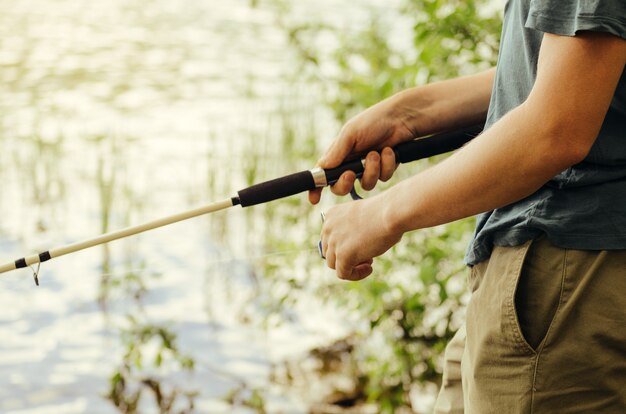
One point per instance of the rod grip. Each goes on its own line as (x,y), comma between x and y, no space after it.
(333,174)
(413,150)
(277,188)
(304,180)
(435,144)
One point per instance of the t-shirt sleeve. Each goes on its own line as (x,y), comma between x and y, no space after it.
(567,17)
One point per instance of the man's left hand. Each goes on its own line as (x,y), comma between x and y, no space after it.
(353,234)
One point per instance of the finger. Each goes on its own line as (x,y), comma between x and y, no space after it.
(361,271)
(330,257)
(315,196)
(358,272)
(327,250)
(343,269)
(344,184)
(388,162)
(372,171)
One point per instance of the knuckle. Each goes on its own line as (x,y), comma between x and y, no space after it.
(347,126)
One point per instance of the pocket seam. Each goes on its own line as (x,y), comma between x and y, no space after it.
(516,326)
(558,306)
(544,340)
(519,340)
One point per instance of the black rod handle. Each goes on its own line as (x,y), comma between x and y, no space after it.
(309,179)
(333,174)
(413,150)
(277,188)
(435,144)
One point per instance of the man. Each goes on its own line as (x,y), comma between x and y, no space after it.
(546,323)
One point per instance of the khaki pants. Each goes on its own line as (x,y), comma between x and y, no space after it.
(545,333)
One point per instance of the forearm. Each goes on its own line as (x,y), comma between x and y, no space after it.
(444,105)
(506,163)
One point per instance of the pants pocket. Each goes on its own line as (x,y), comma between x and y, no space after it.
(538,291)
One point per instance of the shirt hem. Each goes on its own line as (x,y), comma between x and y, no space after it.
(478,252)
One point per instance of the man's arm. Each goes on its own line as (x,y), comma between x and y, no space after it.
(412,113)
(446,105)
(554,129)
(551,131)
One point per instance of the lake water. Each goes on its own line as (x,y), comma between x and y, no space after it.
(116,112)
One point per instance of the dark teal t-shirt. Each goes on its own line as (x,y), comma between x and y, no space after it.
(584,207)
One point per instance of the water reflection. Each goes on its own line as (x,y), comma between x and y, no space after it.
(113,113)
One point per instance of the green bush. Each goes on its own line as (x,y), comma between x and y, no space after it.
(449,38)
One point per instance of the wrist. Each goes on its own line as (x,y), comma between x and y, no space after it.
(392,223)
(404,210)
(410,109)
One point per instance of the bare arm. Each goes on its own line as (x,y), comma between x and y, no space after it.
(552,130)
(446,105)
(415,112)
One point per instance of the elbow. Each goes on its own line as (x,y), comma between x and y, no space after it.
(577,153)
(572,148)
(567,140)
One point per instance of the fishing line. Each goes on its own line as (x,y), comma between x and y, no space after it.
(36,273)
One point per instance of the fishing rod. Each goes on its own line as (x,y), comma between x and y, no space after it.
(264,192)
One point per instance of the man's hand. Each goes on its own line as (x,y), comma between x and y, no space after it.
(374,128)
(353,234)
